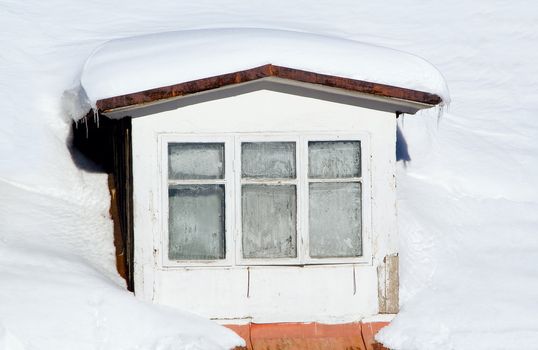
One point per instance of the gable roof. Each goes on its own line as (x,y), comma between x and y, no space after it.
(266,71)
(144,70)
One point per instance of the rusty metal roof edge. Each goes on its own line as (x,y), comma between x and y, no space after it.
(159,94)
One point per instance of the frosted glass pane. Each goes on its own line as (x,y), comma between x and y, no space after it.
(334,159)
(335,220)
(273,160)
(195,161)
(196,222)
(269,221)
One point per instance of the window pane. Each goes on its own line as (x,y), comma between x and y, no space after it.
(195,161)
(269,221)
(334,159)
(273,160)
(196,223)
(335,219)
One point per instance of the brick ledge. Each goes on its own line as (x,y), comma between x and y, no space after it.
(311,336)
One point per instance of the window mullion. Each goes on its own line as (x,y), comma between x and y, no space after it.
(302,199)
(238,248)
(229,203)
(268,182)
(196,182)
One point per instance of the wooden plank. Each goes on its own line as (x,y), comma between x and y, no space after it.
(119,242)
(388,285)
(123,170)
(265,71)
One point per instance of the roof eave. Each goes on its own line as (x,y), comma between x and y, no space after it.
(419,99)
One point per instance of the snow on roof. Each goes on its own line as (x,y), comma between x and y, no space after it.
(129,65)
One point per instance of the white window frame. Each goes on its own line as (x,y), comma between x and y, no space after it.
(164,140)
(364,180)
(233,181)
(239,181)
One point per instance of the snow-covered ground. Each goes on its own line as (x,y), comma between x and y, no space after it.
(468,198)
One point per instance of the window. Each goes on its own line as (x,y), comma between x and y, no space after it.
(268,200)
(264,200)
(334,202)
(196,203)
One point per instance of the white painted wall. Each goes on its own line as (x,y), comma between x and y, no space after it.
(232,294)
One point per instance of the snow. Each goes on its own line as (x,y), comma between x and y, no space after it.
(467,198)
(133,64)
(55,301)
(58,285)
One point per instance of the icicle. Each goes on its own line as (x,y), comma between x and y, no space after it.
(96,116)
(86,123)
(442,109)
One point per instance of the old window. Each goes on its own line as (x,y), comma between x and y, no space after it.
(196,200)
(251,199)
(334,187)
(268,199)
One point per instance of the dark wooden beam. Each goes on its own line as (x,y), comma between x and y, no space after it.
(268,70)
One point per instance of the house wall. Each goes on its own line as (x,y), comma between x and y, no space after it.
(236,294)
